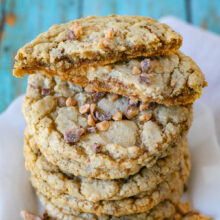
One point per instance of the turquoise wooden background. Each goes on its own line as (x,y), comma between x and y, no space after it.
(22,20)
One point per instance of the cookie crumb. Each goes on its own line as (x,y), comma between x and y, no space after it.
(183,207)
(29,216)
(145,117)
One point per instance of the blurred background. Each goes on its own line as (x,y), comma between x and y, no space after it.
(23,20)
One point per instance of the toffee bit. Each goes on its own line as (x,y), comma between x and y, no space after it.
(71,102)
(131,112)
(29,216)
(84,109)
(98,95)
(102,117)
(145,117)
(45,91)
(92,111)
(145,65)
(97,147)
(61,101)
(91,130)
(73,135)
(92,108)
(91,121)
(102,126)
(117,116)
(183,208)
(144,79)
(113,97)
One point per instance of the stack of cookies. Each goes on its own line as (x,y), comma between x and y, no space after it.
(108,106)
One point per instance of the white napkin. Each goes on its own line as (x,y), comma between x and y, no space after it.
(16,193)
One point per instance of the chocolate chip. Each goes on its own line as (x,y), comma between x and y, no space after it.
(102,117)
(97,147)
(91,130)
(98,95)
(145,65)
(45,91)
(144,79)
(61,101)
(73,135)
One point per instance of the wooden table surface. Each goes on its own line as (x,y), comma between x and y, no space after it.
(23,20)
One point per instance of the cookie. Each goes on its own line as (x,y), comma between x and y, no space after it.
(136,204)
(75,168)
(95,40)
(95,189)
(164,210)
(169,80)
(141,134)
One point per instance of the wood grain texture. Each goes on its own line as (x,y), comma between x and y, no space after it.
(23,20)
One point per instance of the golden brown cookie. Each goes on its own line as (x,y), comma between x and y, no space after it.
(142,133)
(95,40)
(94,189)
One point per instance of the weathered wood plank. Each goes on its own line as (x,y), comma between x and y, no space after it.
(151,8)
(25,20)
(206,14)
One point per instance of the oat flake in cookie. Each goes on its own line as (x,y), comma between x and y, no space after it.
(95,40)
(134,140)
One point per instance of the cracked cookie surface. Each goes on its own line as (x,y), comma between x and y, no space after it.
(95,189)
(141,134)
(96,40)
(136,204)
(163,210)
(169,80)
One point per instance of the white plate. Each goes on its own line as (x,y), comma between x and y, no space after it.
(16,193)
